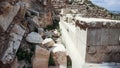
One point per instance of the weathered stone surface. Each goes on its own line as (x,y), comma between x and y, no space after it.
(34,37)
(4,65)
(48,18)
(27,1)
(16,36)
(18,30)
(52,66)
(56,33)
(58,47)
(4,8)
(35,19)
(23,7)
(5,20)
(41,31)
(98,43)
(32,25)
(34,12)
(14,64)
(58,4)
(48,42)
(48,34)
(59,56)
(21,64)
(106,53)
(74,11)
(41,58)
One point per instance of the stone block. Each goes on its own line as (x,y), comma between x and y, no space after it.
(41,58)
(48,42)
(16,36)
(59,55)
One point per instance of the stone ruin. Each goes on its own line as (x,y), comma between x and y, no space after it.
(27,42)
(90,42)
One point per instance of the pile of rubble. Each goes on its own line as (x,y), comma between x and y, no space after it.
(24,42)
(87,9)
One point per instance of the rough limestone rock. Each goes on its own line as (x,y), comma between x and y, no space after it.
(34,37)
(5,20)
(41,58)
(16,36)
(48,42)
(59,55)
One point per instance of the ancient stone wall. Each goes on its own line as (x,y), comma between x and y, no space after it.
(92,40)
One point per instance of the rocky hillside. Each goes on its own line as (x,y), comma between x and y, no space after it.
(26,41)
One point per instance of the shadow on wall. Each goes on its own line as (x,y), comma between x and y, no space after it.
(55,25)
(69,62)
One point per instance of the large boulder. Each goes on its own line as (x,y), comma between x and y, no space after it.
(41,58)
(48,42)
(34,38)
